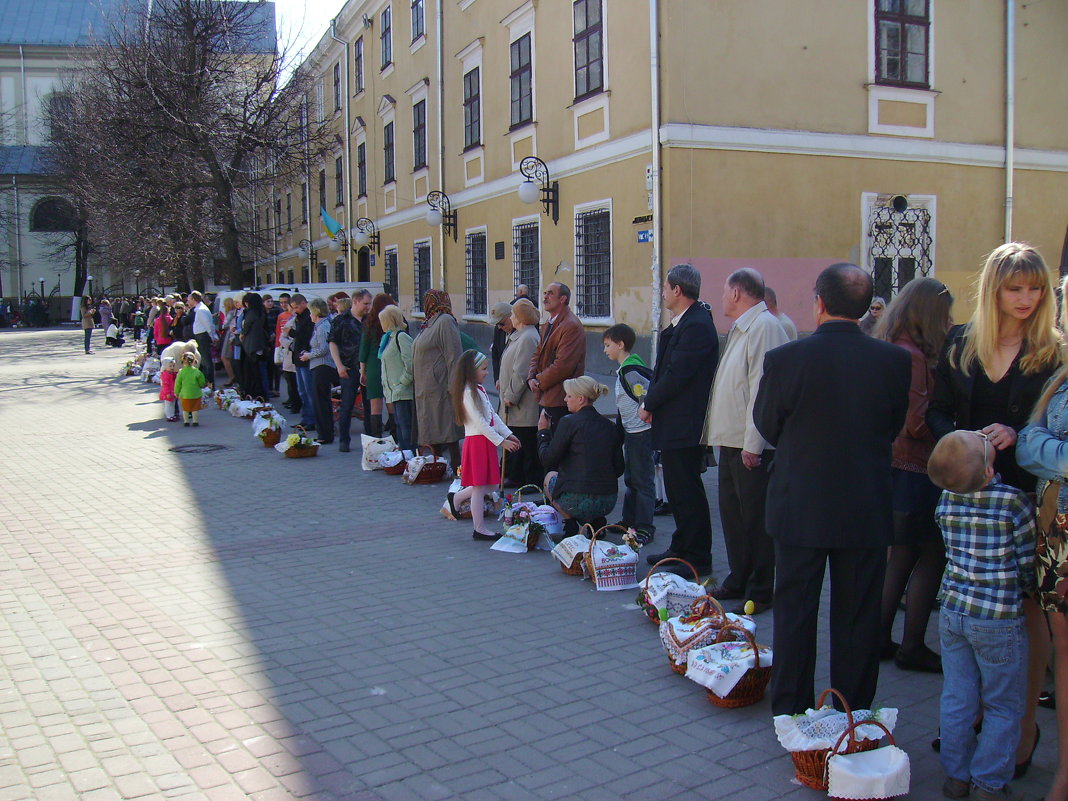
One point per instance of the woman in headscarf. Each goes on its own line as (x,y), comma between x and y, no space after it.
(435,351)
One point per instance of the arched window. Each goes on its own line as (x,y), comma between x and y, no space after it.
(53,214)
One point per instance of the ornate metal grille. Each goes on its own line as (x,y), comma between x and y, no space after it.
(477,301)
(593,263)
(392,278)
(526,257)
(900,246)
(422,273)
(339,271)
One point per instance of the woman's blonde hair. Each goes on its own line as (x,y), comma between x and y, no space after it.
(1013,260)
(1062,374)
(392,318)
(525,312)
(228,304)
(585,387)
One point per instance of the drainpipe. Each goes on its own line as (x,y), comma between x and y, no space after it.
(1010,110)
(345,160)
(658,227)
(25,105)
(441,131)
(18,234)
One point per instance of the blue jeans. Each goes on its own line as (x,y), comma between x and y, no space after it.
(403,412)
(639,477)
(350,388)
(306,390)
(985,667)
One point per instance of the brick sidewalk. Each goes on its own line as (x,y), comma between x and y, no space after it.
(237,625)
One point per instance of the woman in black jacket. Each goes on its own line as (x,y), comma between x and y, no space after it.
(584,457)
(254,347)
(989,376)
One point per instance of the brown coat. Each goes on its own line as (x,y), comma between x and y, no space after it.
(560,355)
(434,352)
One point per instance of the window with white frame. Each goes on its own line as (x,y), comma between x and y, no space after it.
(361,169)
(386,37)
(392,277)
(593,263)
(419,135)
(357,63)
(388,154)
(304,202)
(339,270)
(337,86)
(477,286)
(589,48)
(320,112)
(521,78)
(472,110)
(902,34)
(418,19)
(899,239)
(422,273)
(526,256)
(289,211)
(339,182)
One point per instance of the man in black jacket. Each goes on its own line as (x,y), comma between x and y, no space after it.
(831,404)
(675,405)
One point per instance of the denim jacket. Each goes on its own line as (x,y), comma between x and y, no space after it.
(1042,448)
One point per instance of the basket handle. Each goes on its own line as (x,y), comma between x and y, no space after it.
(703,607)
(303,431)
(696,577)
(849,731)
(749,639)
(519,492)
(845,704)
(433,453)
(595,534)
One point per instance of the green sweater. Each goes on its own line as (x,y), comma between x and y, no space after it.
(189,382)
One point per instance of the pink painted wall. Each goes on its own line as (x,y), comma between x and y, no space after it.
(792,280)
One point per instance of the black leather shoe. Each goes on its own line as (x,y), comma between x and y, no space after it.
(343,448)
(926,661)
(478,535)
(723,594)
(653,558)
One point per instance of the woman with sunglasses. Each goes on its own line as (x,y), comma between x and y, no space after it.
(875,313)
(989,377)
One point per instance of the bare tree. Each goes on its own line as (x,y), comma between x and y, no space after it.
(166,122)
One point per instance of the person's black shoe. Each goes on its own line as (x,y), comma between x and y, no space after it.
(662,508)
(926,661)
(343,448)
(478,535)
(889,651)
(653,558)
(721,593)
(1048,700)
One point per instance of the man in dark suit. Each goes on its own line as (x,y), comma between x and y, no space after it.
(831,404)
(675,405)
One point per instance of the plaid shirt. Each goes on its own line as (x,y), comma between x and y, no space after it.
(990,550)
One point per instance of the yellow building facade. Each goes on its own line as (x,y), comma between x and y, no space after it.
(908,136)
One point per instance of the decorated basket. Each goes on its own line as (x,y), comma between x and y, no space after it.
(703,609)
(674,600)
(535,535)
(752,685)
(396,469)
(875,778)
(431,472)
(569,551)
(301,451)
(811,766)
(611,569)
(271,437)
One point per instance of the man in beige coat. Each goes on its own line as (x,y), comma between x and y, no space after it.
(560,355)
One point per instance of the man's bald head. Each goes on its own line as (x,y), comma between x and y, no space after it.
(845,290)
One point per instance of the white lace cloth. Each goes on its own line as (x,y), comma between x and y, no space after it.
(674,593)
(820,728)
(680,638)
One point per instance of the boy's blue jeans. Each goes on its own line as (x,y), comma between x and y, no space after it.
(984,663)
(639,477)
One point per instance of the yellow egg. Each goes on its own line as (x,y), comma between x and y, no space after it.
(750,607)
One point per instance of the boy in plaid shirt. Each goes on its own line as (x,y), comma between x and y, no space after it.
(989,531)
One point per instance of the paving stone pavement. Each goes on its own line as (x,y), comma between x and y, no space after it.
(236,625)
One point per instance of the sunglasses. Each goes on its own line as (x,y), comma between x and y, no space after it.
(986,445)
(875,308)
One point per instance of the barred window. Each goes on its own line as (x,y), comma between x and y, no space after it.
(361,169)
(290,281)
(339,271)
(902,29)
(593,263)
(526,261)
(357,60)
(390,164)
(522,93)
(387,37)
(322,272)
(472,110)
(477,301)
(589,53)
(392,279)
(422,273)
(305,274)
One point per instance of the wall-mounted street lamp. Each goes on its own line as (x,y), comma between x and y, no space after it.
(534,169)
(89,280)
(366,234)
(339,240)
(309,250)
(441,213)
(42,286)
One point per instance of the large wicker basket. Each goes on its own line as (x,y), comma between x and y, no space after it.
(811,766)
(705,606)
(271,437)
(432,472)
(837,745)
(647,606)
(752,685)
(575,568)
(303,451)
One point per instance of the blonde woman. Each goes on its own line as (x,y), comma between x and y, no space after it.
(395,353)
(584,457)
(227,347)
(989,376)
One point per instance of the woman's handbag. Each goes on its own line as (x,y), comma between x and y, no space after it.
(279,354)
(879,773)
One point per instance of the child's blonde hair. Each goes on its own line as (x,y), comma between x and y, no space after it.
(959,462)
(190,357)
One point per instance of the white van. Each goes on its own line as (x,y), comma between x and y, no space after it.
(307,290)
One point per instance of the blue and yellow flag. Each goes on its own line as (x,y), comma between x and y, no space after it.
(330,225)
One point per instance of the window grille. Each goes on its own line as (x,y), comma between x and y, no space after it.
(290,280)
(900,247)
(339,271)
(902,30)
(422,273)
(392,279)
(322,272)
(305,274)
(477,293)
(593,263)
(526,264)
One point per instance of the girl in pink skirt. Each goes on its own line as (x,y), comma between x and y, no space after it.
(480,471)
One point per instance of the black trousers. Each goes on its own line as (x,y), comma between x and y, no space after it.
(323,379)
(555,415)
(524,466)
(750,551)
(856,592)
(692,539)
(207,361)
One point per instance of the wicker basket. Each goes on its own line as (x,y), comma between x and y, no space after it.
(532,542)
(397,469)
(264,406)
(705,606)
(811,766)
(752,685)
(587,558)
(302,452)
(575,568)
(271,437)
(650,610)
(432,472)
(837,745)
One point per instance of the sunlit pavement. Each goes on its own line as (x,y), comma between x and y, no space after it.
(232,624)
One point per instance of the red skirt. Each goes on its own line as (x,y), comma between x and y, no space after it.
(478,463)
